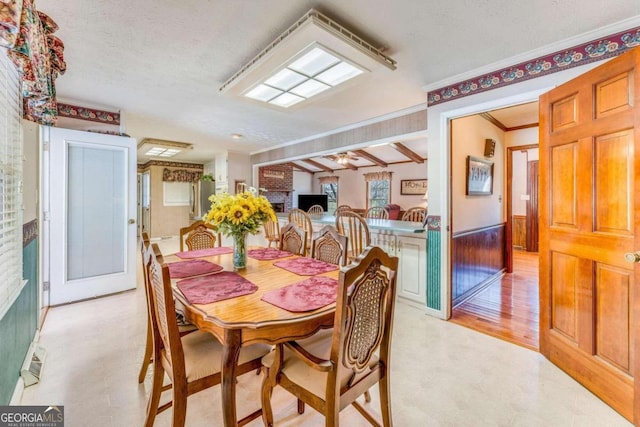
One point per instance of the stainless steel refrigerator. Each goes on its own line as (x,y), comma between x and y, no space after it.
(199,198)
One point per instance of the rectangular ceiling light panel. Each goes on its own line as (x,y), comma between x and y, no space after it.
(306,75)
(314,55)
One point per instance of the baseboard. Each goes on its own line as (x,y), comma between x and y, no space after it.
(478,288)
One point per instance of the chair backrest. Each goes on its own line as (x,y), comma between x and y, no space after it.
(364,316)
(414,214)
(342,208)
(355,227)
(302,220)
(166,335)
(315,210)
(377,212)
(292,239)
(199,235)
(330,246)
(271,230)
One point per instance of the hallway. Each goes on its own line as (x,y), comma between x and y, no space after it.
(509,308)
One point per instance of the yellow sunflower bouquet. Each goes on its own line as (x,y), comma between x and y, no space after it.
(240,214)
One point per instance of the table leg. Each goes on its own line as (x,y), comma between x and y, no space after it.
(230,355)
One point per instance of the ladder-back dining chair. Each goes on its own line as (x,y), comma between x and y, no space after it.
(355,227)
(329,371)
(303,220)
(193,361)
(377,212)
(199,235)
(414,214)
(271,232)
(292,239)
(330,246)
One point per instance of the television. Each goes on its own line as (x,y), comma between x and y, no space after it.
(305,201)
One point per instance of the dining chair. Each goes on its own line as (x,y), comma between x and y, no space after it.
(330,371)
(315,210)
(199,235)
(341,208)
(292,239)
(193,361)
(182,328)
(377,212)
(355,227)
(303,220)
(414,214)
(271,232)
(330,246)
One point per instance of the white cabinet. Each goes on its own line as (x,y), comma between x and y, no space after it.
(386,240)
(412,267)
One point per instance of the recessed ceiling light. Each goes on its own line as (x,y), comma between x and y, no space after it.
(285,79)
(236,135)
(263,93)
(310,88)
(162,152)
(286,100)
(313,62)
(339,73)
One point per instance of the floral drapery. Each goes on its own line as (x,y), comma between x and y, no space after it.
(37,54)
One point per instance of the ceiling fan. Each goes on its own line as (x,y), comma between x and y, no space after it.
(343,158)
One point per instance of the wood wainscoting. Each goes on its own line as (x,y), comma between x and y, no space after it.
(520,232)
(478,257)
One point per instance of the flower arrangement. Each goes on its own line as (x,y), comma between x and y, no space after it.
(240,214)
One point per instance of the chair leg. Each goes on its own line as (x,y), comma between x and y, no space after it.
(265,396)
(367,396)
(385,401)
(154,397)
(179,405)
(148,351)
(300,407)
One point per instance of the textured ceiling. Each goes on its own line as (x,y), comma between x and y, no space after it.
(161,62)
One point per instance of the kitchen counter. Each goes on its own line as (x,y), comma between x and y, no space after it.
(402,227)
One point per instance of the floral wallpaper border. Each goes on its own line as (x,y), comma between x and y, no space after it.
(90,114)
(170,164)
(586,53)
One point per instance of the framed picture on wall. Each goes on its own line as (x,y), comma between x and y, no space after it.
(479,177)
(415,187)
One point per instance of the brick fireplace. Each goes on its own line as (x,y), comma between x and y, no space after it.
(278,181)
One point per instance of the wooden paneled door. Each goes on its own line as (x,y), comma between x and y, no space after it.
(589,219)
(532,206)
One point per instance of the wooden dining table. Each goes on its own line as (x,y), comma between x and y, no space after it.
(246,320)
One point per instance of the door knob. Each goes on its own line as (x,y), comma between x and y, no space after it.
(632,257)
(132,221)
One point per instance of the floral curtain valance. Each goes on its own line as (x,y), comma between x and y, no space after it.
(377,176)
(38,55)
(180,175)
(328,179)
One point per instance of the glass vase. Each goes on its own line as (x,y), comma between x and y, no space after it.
(240,251)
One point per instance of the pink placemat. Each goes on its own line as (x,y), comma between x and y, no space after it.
(310,294)
(194,267)
(215,287)
(268,253)
(306,266)
(200,253)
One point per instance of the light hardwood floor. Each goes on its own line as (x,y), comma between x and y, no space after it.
(508,309)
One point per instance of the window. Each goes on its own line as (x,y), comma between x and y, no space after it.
(378,188)
(331,190)
(10,185)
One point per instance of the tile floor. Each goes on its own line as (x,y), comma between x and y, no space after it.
(442,375)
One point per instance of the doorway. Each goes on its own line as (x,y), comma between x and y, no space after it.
(506,303)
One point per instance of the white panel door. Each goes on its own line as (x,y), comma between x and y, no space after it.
(91,236)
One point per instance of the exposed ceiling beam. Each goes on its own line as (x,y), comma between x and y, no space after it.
(303,169)
(318,165)
(407,152)
(346,165)
(371,158)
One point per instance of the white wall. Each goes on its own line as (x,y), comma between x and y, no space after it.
(468,136)
(352,187)
(302,184)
